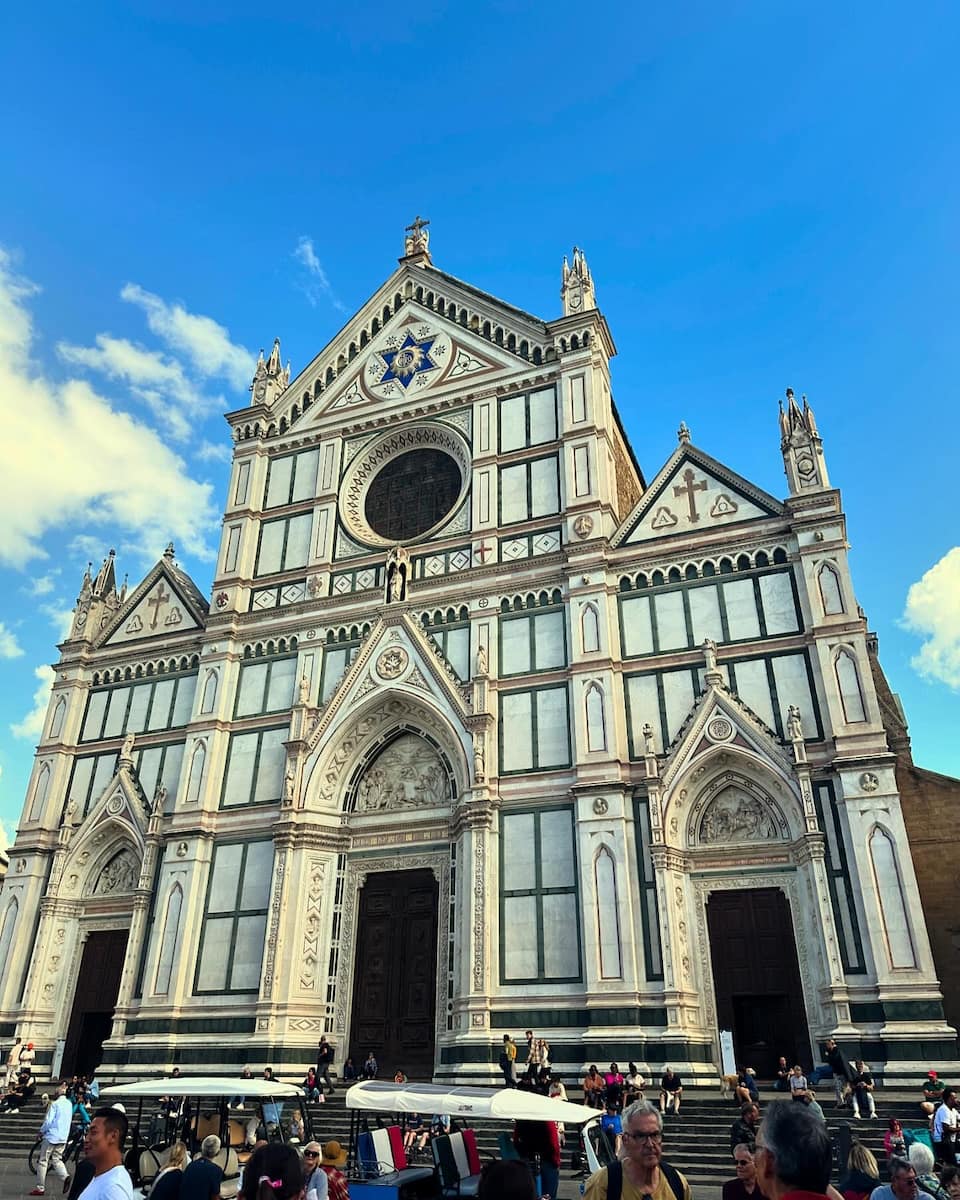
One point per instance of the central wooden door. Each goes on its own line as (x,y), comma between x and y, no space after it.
(95,998)
(757,979)
(394,989)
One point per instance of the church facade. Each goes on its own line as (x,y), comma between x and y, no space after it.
(478,730)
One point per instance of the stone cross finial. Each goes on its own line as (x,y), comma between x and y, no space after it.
(417,240)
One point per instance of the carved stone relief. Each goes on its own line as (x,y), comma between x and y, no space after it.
(310,953)
(736,816)
(408,773)
(118,875)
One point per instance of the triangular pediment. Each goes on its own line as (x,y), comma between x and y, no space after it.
(479,338)
(721,720)
(693,492)
(396,656)
(167,602)
(417,355)
(106,848)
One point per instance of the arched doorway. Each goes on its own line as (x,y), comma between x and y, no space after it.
(404,784)
(756,977)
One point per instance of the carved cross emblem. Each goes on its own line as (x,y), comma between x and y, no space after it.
(156,603)
(690,489)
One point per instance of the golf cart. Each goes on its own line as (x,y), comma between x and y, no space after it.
(164,1111)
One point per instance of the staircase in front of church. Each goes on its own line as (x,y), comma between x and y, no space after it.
(697,1142)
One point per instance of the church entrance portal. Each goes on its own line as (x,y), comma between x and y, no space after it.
(394,990)
(757,979)
(94,1000)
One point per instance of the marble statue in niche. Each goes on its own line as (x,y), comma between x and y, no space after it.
(736,816)
(407,773)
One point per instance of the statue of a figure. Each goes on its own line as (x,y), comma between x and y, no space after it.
(481,660)
(396,585)
(398,566)
(159,798)
(417,239)
(710,654)
(479,763)
(126,747)
(71,813)
(303,690)
(794,724)
(288,784)
(648,747)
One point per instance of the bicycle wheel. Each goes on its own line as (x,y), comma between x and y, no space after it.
(33,1158)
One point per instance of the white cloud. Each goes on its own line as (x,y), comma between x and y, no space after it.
(214,452)
(60,615)
(159,382)
(204,341)
(933,611)
(9,646)
(6,838)
(42,585)
(32,724)
(69,458)
(86,547)
(316,285)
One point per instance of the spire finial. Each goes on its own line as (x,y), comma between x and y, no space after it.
(169,552)
(683,434)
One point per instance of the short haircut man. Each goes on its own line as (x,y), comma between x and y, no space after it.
(793,1151)
(210,1146)
(114,1121)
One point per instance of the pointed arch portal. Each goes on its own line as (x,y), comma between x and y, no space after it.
(756,977)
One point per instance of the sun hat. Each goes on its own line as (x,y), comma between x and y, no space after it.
(334,1155)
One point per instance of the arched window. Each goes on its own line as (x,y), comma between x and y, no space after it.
(59,713)
(196,773)
(40,790)
(590,629)
(830,595)
(6,934)
(848,681)
(209,698)
(608,916)
(168,942)
(596,723)
(893,909)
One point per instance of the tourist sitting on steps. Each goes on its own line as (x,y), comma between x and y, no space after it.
(19,1093)
(862,1173)
(643,1172)
(593,1087)
(744,1129)
(921,1159)
(744,1186)
(903,1183)
(671,1089)
(862,1083)
(782,1081)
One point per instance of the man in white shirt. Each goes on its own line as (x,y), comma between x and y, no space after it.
(54,1133)
(945,1123)
(103,1146)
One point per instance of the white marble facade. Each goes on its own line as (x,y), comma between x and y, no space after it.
(584,702)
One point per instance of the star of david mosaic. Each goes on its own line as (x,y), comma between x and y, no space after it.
(408,360)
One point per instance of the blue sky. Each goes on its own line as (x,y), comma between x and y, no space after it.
(765,192)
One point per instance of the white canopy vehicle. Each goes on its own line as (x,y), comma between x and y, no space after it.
(166,1110)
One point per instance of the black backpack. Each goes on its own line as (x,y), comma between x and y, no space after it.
(615,1180)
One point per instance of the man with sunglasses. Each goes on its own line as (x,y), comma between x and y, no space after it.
(642,1173)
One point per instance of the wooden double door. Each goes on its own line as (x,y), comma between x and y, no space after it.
(756,978)
(94,1001)
(395,973)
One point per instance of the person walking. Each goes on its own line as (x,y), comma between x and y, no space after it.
(54,1133)
(324,1062)
(508,1061)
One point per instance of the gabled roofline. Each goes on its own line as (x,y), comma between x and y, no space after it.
(186,589)
(758,496)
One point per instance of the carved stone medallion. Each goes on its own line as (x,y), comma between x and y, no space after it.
(869,782)
(392,662)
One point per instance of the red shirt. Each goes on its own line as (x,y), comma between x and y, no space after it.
(337,1183)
